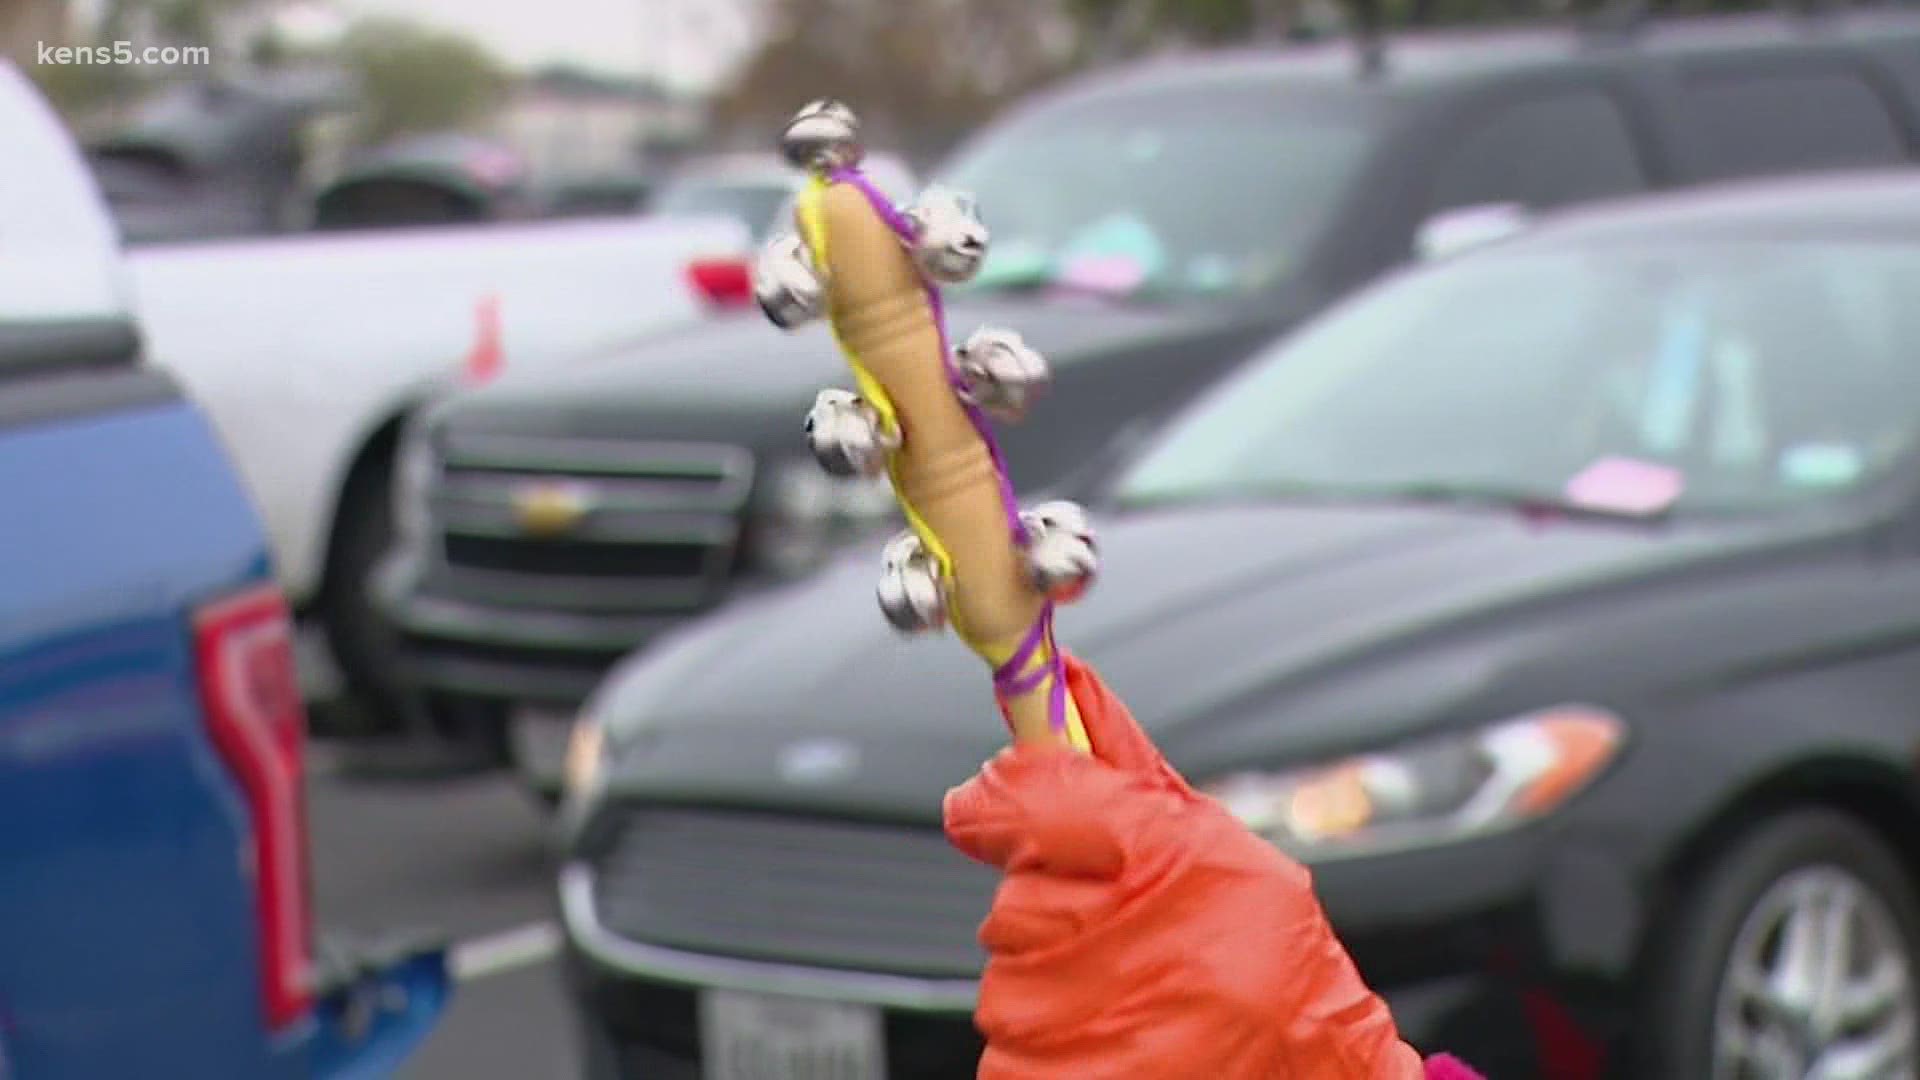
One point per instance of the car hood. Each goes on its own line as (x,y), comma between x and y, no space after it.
(1204,618)
(743,370)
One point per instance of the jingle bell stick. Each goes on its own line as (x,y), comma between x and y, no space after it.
(972,558)
(943,470)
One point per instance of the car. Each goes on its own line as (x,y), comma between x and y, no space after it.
(351,306)
(1554,603)
(680,454)
(156,919)
(353,332)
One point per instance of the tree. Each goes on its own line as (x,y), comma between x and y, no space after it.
(919,72)
(417,78)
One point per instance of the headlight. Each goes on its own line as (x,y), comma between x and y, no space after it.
(1429,792)
(416,466)
(804,515)
(586,763)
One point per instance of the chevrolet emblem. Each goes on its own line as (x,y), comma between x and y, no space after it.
(549,509)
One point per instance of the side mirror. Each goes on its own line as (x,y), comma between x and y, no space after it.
(1450,232)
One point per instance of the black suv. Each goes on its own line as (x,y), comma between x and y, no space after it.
(1152,226)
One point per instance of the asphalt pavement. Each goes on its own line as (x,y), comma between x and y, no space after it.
(466,857)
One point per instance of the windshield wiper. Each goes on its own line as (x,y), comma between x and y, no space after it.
(1524,500)
(1429,492)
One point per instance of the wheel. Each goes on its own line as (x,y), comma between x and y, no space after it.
(1790,955)
(360,638)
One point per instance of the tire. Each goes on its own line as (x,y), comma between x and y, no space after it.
(362,642)
(1728,912)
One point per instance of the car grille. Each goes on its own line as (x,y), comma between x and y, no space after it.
(834,894)
(646,526)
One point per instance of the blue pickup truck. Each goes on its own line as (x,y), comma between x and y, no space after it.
(154,892)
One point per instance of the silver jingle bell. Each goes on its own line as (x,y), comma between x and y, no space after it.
(950,241)
(1000,372)
(912,596)
(785,283)
(1062,561)
(847,436)
(824,135)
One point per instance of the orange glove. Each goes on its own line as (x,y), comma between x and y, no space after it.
(1141,931)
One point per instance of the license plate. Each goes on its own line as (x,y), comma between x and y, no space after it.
(758,1037)
(540,743)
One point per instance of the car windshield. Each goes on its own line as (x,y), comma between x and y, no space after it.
(1174,197)
(1724,378)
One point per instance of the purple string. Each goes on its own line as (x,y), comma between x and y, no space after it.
(1007,678)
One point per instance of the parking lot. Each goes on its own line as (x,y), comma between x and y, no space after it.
(466,857)
(1493,445)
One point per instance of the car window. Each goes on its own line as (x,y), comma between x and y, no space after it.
(1545,152)
(1735,123)
(1762,374)
(59,251)
(1176,196)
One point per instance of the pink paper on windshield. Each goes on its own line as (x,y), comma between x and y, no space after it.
(1626,486)
(1102,273)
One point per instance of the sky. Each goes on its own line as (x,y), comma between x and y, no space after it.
(686,42)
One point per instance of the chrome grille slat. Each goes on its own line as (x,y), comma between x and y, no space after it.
(463,486)
(835,894)
(628,596)
(611,525)
(572,456)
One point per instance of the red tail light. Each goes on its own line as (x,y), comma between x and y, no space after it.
(724,283)
(244,652)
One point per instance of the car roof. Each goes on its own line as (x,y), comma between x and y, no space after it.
(1415,62)
(1877,203)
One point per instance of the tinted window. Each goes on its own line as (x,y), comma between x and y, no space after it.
(1170,196)
(1750,123)
(1545,152)
(1762,374)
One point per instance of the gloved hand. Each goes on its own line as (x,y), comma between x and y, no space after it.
(1141,931)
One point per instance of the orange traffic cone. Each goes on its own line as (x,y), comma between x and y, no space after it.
(486,358)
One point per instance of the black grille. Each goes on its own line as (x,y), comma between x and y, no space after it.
(656,523)
(822,893)
(592,662)
(656,1028)
(577,558)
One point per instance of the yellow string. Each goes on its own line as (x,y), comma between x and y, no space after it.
(813,232)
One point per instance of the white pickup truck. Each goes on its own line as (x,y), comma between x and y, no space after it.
(310,352)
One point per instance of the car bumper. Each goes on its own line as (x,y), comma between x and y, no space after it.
(458,645)
(1459,942)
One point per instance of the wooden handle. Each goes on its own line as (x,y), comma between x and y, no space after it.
(943,468)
